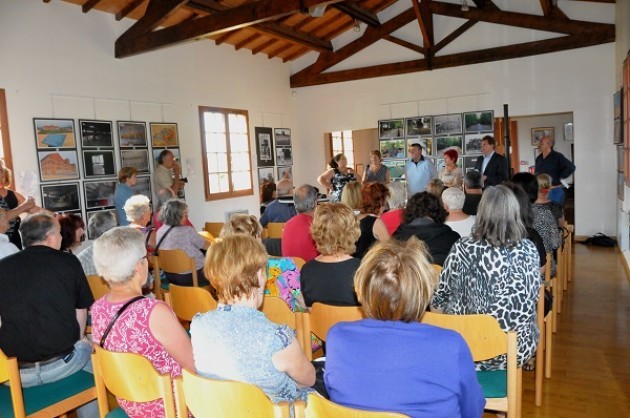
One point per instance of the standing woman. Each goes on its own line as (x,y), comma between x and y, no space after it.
(376,171)
(15,204)
(127,178)
(336,177)
(451,175)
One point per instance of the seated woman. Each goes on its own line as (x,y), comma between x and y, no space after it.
(495,271)
(396,204)
(175,234)
(72,231)
(163,196)
(148,326)
(328,277)
(424,218)
(267,195)
(373,201)
(138,212)
(432,373)
(351,196)
(544,186)
(283,277)
(236,341)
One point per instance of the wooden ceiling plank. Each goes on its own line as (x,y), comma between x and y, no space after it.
(88,5)
(225,37)
(465,58)
(403,43)
(246,41)
(454,35)
(357,12)
(128,9)
(279,51)
(298,53)
(263,46)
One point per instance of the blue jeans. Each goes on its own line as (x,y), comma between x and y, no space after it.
(557,195)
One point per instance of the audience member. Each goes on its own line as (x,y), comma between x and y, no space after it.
(491,165)
(351,196)
(336,177)
(436,187)
(328,277)
(6,246)
(373,201)
(396,203)
(72,231)
(167,172)
(453,199)
(163,196)
(473,190)
(376,171)
(556,165)
(138,212)
(544,188)
(98,224)
(296,236)
(418,170)
(277,210)
(236,341)
(127,178)
(424,218)
(14,204)
(432,373)
(267,195)
(495,271)
(451,174)
(147,326)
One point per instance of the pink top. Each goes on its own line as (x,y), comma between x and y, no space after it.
(131,334)
(392,220)
(296,238)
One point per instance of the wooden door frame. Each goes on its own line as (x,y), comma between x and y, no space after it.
(6,138)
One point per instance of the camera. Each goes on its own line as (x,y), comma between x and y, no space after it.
(184,179)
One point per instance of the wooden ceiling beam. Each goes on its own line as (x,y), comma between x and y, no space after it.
(246,41)
(425,20)
(454,35)
(279,51)
(156,13)
(263,46)
(460,59)
(403,43)
(88,5)
(298,53)
(128,9)
(357,12)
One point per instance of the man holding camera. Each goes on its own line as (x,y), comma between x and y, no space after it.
(162,178)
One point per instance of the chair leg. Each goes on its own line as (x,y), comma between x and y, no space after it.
(540,369)
(556,304)
(548,344)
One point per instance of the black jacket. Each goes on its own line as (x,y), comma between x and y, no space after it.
(496,170)
(438,237)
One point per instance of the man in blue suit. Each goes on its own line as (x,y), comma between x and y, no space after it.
(492,166)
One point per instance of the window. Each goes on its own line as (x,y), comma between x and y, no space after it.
(226,149)
(342,143)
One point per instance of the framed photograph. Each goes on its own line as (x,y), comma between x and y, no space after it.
(285,173)
(264,147)
(61,197)
(54,133)
(136,158)
(143,186)
(472,143)
(470,162)
(538,133)
(390,129)
(617,104)
(396,168)
(99,194)
(156,154)
(447,124)
(266,175)
(132,134)
(98,163)
(88,216)
(164,135)
(282,137)
(620,186)
(443,143)
(618,131)
(394,148)
(284,156)
(96,134)
(58,165)
(479,121)
(422,125)
(620,159)
(425,142)
(568,131)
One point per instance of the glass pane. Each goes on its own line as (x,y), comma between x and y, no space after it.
(347,144)
(222,162)
(336,145)
(238,142)
(238,123)
(241,180)
(216,142)
(213,162)
(240,161)
(350,157)
(347,134)
(214,122)
(224,183)
(213,183)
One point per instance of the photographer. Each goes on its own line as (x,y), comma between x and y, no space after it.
(162,178)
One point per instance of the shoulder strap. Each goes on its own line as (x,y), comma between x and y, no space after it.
(157,246)
(120,311)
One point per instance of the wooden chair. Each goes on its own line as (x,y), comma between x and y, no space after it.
(299,262)
(187,301)
(210,398)
(544,349)
(178,262)
(486,340)
(207,236)
(131,377)
(555,291)
(98,286)
(277,310)
(158,290)
(319,407)
(214,228)
(437,268)
(47,400)
(322,317)
(274,229)
(569,252)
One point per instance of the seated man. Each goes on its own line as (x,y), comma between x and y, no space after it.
(472,189)
(297,240)
(453,200)
(100,223)
(277,210)
(44,298)
(6,246)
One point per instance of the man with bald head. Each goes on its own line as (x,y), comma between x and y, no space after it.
(556,165)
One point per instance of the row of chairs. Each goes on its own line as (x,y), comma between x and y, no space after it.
(272,230)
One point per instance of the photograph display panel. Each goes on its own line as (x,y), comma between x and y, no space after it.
(425,142)
(99,194)
(61,197)
(285,173)
(479,121)
(266,175)
(448,124)
(443,143)
(164,135)
(284,156)
(132,134)
(394,148)
(282,137)
(54,133)
(58,165)
(96,134)
(264,147)
(391,129)
(396,168)
(422,125)
(136,158)
(99,163)
(472,143)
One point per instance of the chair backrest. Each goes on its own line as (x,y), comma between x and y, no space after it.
(131,377)
(214,228)
(9,372)
(319,407)
(277,310)
(224,399)
(274,229)
(98,286)
(187,301)
(437,268)
(323,317)
(177,261)
(207,236)
(298,261)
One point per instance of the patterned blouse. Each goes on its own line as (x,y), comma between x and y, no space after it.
(380,175)
(283,281)
(338,182)
(500,281)
(131,334)
(451,178)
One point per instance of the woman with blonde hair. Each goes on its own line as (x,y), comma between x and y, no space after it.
(328,277)
(542,200)
(432,373)
(351,196)
(236,341)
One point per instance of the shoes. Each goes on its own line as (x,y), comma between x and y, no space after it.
(530,365)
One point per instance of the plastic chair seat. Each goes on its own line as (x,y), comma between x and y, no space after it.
(493,383)
(117,413)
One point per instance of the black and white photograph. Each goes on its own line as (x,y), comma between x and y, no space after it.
(96,133)
(157,151)
(284,156)
(390,129)
(425,142)
(58,165)
(282,137)
(88,216)
(285,173)
(472,143)
(143,186)
(422,125)
(470,161)
(132,134)
(264,146)
(99,194)
(443,143)
(479,121)
(266,175)
(394,148)
(136,158)
(61,197)
(448,124)
(99,163)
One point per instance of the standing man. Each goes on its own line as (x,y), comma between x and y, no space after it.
(162,178)
(556,165)
(492,166)
(418,171)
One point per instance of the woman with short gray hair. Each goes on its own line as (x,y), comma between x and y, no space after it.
(396,204)
(495,272)
(138,211)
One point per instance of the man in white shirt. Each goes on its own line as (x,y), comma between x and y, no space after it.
(6,246)
(419,171)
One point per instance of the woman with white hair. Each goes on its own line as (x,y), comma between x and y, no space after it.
(453,200)
(396,204)
(495,271)
(139,325)
(138,211)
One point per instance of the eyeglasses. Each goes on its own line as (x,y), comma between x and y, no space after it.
(146,257)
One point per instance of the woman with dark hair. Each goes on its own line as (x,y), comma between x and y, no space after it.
(373,200)
(267,195)
(72,231)
(376,171)
(336,177)
(424,218)
(451,175)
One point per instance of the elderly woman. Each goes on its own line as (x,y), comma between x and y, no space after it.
(495,272)
(351,196)
(175,234)
(127,178)
(373,201)
(453,200)
(376,171)
(72,231)
(396,203)
(542,200)
(328,277)
(236,341)
(451,175)
(436,187)
(147,326)
(283,277)
(394,285)
(138,212)
(424,218)
(336,177)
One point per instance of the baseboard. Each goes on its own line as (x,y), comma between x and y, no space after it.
(580,238)
(626,263)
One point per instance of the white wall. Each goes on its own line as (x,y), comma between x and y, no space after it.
(59,62)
